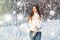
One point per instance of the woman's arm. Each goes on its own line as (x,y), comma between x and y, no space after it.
(30,24)
(29,20)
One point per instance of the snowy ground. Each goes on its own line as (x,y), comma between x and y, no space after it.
(50,31)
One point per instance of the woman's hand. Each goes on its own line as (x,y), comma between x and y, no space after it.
(33,30)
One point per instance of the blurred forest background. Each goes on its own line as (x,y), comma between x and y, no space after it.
(14,14)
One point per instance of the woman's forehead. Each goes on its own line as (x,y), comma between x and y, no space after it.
(34,6)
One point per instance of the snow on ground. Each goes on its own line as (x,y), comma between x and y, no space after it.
(50,31)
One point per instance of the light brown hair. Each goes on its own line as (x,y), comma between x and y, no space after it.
(32,13)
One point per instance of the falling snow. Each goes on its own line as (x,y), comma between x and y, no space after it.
(14,19)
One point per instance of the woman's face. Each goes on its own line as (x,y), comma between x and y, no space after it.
(34,9)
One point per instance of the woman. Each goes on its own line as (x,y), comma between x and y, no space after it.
(34,22)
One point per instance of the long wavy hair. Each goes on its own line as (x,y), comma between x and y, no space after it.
(32,13)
